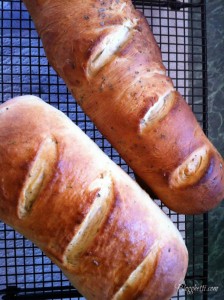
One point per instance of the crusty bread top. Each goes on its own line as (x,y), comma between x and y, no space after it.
(62,192)
(109,59)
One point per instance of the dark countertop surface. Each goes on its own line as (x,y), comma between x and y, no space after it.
(215,40)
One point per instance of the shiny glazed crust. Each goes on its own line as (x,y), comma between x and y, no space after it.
(62,192)
(109,59)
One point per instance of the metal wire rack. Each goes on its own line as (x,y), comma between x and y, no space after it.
(180,30)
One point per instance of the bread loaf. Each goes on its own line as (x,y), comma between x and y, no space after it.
(63,193)
(109,59)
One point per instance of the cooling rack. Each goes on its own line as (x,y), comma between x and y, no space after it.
(180,30)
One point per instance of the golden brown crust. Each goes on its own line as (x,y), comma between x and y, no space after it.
(121,85)
(142,275)
(86,214)
(167,258)
(150,273)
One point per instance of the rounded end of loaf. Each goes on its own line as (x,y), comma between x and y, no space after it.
(170,272)
(197,183)
(194,196)
(15,101)
(24,97)
(161,272)
(183,168)
(173,268)
(205,191)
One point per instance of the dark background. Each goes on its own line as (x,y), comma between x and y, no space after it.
(215,43)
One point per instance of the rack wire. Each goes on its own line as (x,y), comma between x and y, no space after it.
(180,30)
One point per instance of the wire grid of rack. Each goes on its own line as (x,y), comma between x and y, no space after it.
(180,30)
